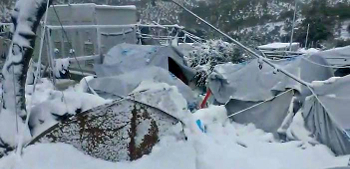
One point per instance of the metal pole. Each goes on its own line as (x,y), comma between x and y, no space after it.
(244,47)
(51,55)
(307,35)
(293,25)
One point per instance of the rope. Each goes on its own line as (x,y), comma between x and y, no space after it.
(256,105)
(73,53)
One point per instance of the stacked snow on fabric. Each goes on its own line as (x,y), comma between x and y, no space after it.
(49,105)
(163,96)
(224,146)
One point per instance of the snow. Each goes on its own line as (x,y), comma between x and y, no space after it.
(297,131)
(83,85)
(227,146)
(61,66)
(211,114)
(49,104)
(124,7)
(162,96)
(277,45)
(8,128)
(328,81)
(308,51)
(25,15)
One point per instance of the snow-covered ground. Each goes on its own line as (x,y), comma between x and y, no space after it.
(229,146)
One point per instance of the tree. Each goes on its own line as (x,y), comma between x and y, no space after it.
(321,23)
(26,17)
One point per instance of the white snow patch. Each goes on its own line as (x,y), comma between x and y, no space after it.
(10,130)
(162,96)
(308,51)
(321,83)
(48,104)
(297,130)
(212,114)
(61,66)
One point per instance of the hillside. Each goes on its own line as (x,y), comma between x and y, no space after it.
(254,22)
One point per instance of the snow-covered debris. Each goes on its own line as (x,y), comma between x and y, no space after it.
(50,106)
(61,67)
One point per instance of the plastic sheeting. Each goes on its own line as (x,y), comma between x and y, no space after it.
(243,85)
(328,115)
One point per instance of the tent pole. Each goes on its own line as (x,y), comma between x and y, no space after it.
(244,47)
(293,26)
(307,35)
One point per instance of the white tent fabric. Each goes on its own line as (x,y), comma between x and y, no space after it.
(328,116)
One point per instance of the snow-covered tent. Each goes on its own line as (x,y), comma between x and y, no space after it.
(337,57)
(125,66)
(241,86)
(124,58)
(327,115)
(122,85)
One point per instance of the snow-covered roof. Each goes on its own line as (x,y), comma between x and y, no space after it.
(129,7)
(277,45)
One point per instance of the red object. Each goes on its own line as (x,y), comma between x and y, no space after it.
(207,95)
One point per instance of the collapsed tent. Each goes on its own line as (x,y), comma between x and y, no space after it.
(327,115)
(125,66)
(240,86)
